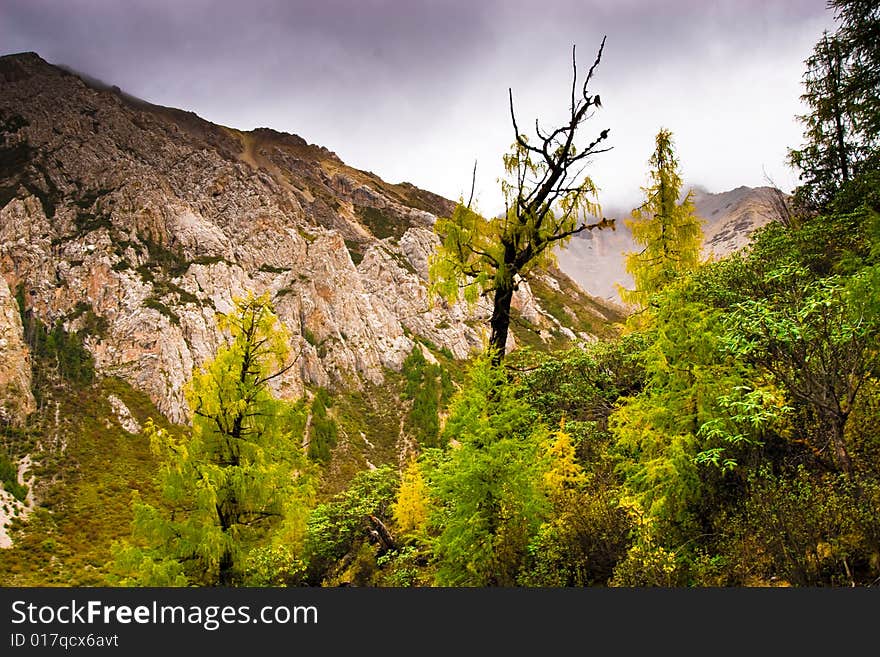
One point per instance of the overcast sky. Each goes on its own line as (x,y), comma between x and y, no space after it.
(417,90)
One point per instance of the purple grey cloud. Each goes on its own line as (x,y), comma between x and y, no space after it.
(417,90)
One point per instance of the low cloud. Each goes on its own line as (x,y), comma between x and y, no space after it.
(418,91)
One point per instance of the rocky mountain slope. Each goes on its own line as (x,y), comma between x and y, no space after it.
(125,228)
(134,224)
(596,260)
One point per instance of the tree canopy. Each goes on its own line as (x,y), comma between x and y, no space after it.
(235,475)
(842,126)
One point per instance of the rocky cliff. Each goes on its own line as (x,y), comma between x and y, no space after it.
(16,398)
(135,224)
(731,217)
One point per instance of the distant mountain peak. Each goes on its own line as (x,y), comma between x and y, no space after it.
(597,260)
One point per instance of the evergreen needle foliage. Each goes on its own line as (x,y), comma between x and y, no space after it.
(323,430)
(842,126)
(488,486)
(668,229)
(235,476)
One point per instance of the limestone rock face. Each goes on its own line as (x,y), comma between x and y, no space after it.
(16,399)
(153,220)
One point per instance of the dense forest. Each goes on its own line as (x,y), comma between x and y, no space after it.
(729,436)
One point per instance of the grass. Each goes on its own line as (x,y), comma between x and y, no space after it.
(379,223)
(92,215)
(208,260)
(369,427)
(308,335)
(401,260)
(160,307)
(572,307)
(271,269)
(171,262)
(356,251)
(9,478)
(164,288)
(528,335)
(85,505)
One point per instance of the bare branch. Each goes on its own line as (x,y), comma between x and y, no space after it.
(519,138)
(516,132)
(284,369)
(538,132)
(780,205)
(604,223)
(593,67)
(473,185)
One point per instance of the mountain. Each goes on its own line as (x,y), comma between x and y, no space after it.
(144,221)
(596,260)
(126,227)
(731,217)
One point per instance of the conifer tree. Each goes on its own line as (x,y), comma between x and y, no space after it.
(323,430)
(859,31)
(232,476)
(826,161)
(488,489)
(411,508)
(563,473)
(668,230)
(842,92)
(424,386)
(658,432)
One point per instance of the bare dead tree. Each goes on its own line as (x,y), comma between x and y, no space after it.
(549,177)
(547,197)
(779,201)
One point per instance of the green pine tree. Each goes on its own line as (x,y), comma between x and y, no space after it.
(831,152)
(323,430)
(232,478)
(489,488)
(668,230)
(842,93)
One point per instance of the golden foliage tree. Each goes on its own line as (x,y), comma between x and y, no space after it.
(669,230)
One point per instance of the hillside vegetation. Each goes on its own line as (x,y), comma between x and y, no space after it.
(724,432)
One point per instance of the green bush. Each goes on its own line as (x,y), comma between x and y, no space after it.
(338,528)
(55,349)
(324,432)
(805,529)
(9,479)
(428,386)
